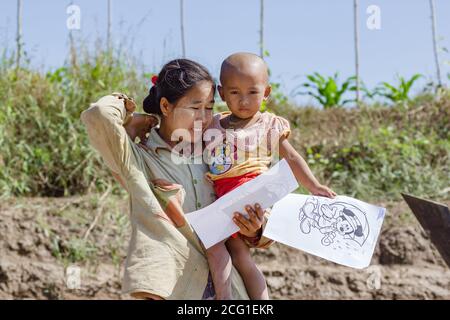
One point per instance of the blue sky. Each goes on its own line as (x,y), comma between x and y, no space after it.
(301,36)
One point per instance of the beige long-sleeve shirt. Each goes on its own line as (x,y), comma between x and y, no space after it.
(162,259)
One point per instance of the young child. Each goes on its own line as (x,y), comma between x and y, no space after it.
(250,139)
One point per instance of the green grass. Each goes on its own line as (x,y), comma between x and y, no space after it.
(376,153)
(370,152)
(44,148)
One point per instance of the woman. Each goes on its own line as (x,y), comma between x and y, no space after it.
(165,259)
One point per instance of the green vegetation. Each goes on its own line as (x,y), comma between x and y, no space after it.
(377,152)
(369,152)
(327,90)
(44,148)
(399,93)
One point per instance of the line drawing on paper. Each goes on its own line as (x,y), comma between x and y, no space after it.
(334,219)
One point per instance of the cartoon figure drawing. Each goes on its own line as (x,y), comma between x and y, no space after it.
(338,218)
(221,158)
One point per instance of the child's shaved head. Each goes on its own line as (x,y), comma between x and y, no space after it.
(244,84)
(243,63)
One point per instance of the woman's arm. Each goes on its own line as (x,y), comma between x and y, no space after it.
(104,124)
(108,134)
(302,171)
(108,121)
(138,126)
(119,180)
(104,121)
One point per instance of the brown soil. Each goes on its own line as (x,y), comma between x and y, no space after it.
(40,237)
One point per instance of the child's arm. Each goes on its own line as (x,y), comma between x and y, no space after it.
(301,170)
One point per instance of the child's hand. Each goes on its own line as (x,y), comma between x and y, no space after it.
(324,191)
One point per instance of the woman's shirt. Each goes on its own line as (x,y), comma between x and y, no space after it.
(162,259)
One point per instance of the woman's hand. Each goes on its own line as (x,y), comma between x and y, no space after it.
(250,226)
(130,105)
(139,125)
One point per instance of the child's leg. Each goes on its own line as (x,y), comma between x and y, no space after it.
(252,276)
(219,261)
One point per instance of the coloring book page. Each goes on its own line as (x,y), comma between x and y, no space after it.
(214,222)
(343,230)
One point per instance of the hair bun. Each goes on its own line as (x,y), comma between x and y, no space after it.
(151,102)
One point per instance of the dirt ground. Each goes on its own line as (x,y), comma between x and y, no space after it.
(41,237)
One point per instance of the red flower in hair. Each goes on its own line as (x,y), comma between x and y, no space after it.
(154,79)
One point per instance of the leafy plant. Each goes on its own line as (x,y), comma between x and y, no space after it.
(398,94)
(327,90)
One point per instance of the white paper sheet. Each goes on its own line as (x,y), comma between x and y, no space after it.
(343,230)
(214,222)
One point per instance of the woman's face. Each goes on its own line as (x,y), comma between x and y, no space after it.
(190,115)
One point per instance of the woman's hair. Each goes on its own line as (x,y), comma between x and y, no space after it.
(175,79)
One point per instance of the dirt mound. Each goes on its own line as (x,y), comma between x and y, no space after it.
(41,239)
(407,246)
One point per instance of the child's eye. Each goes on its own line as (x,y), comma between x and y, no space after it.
(233,92)
(254,92)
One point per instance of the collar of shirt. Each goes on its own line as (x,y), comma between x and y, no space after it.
(155,141)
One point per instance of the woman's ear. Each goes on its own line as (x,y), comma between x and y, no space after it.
(166,106)
(267,92)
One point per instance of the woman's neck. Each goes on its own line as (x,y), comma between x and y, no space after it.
(166,134)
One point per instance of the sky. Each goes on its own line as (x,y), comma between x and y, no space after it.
(301,36)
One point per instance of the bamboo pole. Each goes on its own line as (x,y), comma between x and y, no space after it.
(73,56)
(261,29)
(356,30)
(19,33)
(183,43)
(435,48)
(108,34)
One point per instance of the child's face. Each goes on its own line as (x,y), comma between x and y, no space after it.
(244,92)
